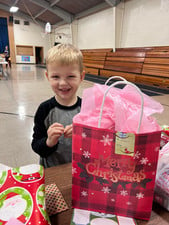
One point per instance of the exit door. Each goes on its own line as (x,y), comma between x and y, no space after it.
(39,55)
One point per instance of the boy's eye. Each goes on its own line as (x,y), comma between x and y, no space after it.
(55,77)
(71,76)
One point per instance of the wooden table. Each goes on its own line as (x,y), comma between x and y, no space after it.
(62,177)
(2,69)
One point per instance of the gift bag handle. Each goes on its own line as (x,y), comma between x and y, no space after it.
(137,89)
(114,77)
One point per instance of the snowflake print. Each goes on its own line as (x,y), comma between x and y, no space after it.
(84,193)
(128,203)
(74,170)
(156,149)
(144,161)
(137,155)
(84,135)
(106,140)
(123,193)
(139,195)
(106,190)
(113,200)
(149,164)
(86,154)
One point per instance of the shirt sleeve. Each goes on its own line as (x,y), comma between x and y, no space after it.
(40,135)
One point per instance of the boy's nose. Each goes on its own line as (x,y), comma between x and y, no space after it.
(62,82)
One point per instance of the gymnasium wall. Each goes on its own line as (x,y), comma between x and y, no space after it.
(63,34)
(31,35)
(94,31)
(132,23)
(97,31)
(145,23)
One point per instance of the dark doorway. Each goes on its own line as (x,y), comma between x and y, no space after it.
(39,55)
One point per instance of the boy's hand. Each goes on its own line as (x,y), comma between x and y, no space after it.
(54,132)
(68,131)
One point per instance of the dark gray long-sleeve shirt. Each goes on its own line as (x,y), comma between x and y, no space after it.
(48,113)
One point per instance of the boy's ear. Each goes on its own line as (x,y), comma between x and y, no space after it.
(46,74)
(83,75)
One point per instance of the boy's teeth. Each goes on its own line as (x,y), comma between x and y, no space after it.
(65,90)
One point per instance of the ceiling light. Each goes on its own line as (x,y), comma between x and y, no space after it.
(13,9)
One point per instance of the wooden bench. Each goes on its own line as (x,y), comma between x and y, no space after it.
(156,68)
(93,60)
(97,50)
(123,63)
(134,49)
(144,49)
(146,65)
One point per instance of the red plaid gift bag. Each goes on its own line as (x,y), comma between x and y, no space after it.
(111,175)
(22,195)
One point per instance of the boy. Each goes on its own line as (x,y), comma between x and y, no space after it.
(53,119)
(7,56)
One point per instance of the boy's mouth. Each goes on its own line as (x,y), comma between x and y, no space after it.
(64,90)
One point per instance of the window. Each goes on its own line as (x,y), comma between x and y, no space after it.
(26,23)
(16,21)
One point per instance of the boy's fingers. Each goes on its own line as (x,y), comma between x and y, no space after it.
(56,125)
(55,131)
(59,133)
(55,128)
(68,135)
(67,128)
(68,131)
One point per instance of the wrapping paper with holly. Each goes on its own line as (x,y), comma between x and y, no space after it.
(22,195)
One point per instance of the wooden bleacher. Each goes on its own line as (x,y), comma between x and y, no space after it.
(147,65)
(144,49)
(94,60)
(123,63)
(156,68)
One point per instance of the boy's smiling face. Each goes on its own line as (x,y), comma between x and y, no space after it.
(64,80)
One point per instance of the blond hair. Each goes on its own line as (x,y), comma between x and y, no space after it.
(65,54)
